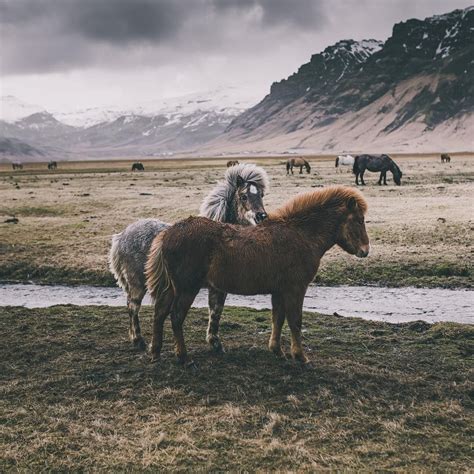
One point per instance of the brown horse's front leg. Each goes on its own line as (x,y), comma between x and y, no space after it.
(216,306)
(294,316)
(278,317)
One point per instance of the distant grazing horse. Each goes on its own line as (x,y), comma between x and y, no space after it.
(232,163)
(196,253)
(375,163)
(238,200)
(344,160)
(138,167)
(445,158)
(298,162)
(16,165)
(52,165)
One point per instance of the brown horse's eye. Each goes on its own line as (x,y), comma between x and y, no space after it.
(244,197)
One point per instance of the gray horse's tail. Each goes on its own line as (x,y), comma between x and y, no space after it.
(115,263)
(158,280)
(355,166)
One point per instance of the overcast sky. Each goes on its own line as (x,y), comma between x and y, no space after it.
(67,54)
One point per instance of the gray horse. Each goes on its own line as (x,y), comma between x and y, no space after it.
(235,200)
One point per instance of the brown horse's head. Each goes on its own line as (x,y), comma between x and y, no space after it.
(249,203)
(308,167)
(352,235)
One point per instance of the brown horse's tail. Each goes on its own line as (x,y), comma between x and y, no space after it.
(158,281)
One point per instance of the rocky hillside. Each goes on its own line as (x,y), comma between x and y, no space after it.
(415,91)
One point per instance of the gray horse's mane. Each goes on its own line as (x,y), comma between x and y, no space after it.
(215,204)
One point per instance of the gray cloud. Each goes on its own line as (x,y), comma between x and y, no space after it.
(44,36)
(49,35)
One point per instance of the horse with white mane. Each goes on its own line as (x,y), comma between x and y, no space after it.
(235,200)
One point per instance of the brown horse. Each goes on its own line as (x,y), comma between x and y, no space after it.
(298,162)
(445,158)
(197,253)
(232,163)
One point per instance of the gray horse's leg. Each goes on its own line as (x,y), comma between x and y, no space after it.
(134,302)
(301,170)
(380,178)
(216,306)
(384,177)
(362,177)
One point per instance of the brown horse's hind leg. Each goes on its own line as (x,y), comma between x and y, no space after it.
(180,309)
(278,316)
(162,309)
(216,306)
(135,334)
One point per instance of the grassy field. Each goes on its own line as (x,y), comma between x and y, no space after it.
(421,232)
(76,396)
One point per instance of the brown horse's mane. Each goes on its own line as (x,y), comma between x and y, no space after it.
(334,197)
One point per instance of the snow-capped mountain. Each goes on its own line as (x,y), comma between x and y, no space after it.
(224,101)
(151,128)
(413,92)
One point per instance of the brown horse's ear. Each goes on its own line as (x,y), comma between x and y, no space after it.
(240,182)
(351,203)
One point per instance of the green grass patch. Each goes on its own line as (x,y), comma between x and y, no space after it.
(76,396)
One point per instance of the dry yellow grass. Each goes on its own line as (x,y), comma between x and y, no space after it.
(421,232)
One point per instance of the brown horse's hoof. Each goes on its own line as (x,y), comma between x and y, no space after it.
(279,353)
(139,344)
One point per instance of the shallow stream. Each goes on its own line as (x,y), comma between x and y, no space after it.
(392,305)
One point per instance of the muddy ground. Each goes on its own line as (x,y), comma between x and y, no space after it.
(421,232)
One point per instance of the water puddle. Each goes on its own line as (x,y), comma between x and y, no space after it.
(392,305)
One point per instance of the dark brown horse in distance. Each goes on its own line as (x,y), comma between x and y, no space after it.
(376,163)
(197,253)
(297,162)
(232,163)
(53,165)
(445,158)
(138,166)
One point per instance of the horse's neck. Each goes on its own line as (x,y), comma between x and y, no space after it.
(319,233)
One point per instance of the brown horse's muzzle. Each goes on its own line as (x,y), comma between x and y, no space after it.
(363,251)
